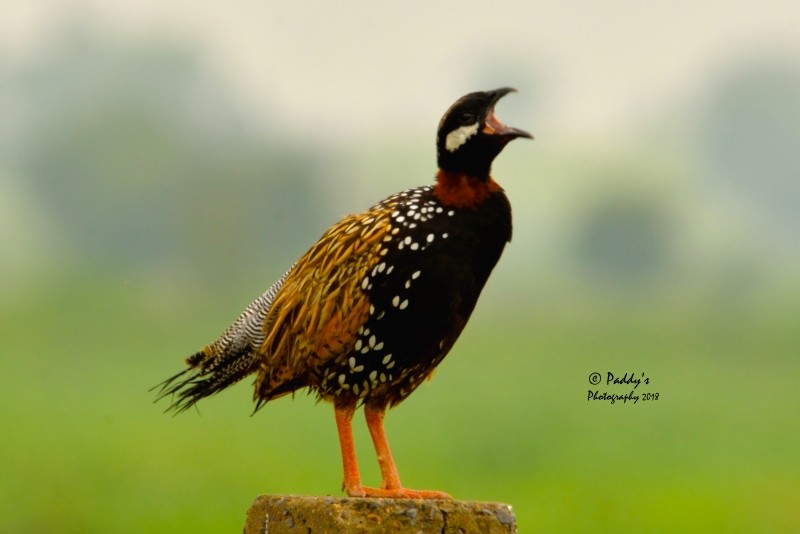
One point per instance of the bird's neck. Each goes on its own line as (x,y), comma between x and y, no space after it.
(462,190)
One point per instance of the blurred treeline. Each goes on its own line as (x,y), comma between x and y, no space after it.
(126,157)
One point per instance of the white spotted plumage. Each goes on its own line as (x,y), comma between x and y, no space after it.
(417,227)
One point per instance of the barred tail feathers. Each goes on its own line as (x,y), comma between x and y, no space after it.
(208,374)
(232,357)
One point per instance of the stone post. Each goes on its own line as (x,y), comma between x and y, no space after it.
(278,514)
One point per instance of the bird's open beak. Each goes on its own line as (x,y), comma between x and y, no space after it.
(493,126)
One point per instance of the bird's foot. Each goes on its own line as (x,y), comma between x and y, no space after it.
(397,493)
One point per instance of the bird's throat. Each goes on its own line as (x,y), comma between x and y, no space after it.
(463,191)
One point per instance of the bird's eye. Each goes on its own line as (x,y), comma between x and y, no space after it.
(467,117)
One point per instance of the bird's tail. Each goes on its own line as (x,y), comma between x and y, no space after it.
(233,356)
(209,371)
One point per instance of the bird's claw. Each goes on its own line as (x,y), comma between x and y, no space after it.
(397,493)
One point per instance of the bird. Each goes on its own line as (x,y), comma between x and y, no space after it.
(370,310)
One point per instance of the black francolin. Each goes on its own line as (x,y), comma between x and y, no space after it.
(374,306)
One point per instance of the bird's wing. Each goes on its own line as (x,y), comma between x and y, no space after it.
(316,315)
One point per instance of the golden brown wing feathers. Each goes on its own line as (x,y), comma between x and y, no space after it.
(316,315)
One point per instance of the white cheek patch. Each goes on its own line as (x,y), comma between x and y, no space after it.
(459,136)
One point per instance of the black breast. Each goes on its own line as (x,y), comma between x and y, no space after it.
(422,291)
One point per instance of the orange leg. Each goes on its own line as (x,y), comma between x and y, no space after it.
(352,480)
(390,486)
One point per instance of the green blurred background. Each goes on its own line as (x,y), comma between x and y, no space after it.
(161,163)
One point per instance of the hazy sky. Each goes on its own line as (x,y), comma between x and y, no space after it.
(598,67)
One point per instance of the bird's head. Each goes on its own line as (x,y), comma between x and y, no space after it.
(470,135)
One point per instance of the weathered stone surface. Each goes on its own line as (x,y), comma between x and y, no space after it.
(278,514)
